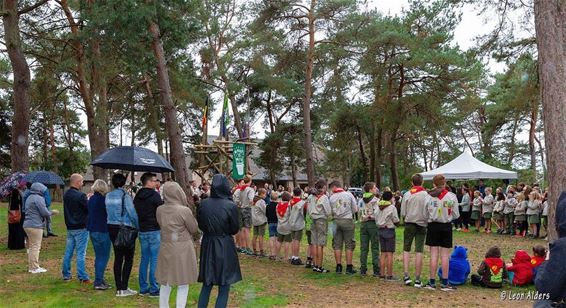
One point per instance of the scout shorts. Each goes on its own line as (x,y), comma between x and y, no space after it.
(319,231)
(344,235)
(260,230)
(416,233)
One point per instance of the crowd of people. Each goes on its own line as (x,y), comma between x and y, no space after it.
(235,220)
(429,216)
(114,220)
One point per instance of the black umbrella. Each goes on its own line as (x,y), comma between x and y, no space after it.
(44,177)
(132,159)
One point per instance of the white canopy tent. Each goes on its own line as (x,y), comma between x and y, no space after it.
(467,167)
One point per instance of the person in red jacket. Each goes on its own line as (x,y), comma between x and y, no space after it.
(522,268)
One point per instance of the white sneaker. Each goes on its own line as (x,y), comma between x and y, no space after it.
(120,293)
(129,292)
(38,270)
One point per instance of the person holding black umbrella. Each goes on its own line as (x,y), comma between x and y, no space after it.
(121,212)
(219,264)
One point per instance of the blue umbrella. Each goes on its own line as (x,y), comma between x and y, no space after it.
(132,159)
(10,183)
(44,177)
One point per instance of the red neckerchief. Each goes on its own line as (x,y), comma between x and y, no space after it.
(495,264)
(319,196)
(443,193)
(295,200)
(282,208)
(417,189)
(536,261)
(337,190)
(242,187)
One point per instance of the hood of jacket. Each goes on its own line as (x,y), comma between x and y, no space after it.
(460,252)
(521,257)
(38,188)
(561,215)
(220,187)
(173,194)
(384,204)
(367,197)
(145,193)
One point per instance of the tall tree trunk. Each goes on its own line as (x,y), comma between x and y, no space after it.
(393,162)
(19,156)
(362,151)
(550,24)
(96,122)
(512,145)
(372,164)
(307,98)
(173,130)
(293,171)
(532,132)
(379,154)
(153,106)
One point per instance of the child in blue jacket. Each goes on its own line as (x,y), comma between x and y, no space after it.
(459,268)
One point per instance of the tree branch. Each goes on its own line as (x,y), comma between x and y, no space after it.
(30,8)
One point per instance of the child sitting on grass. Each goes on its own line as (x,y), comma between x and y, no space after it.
(492,270)
(459,268)
(386,220)
(522,268)
(539,255)
(259,221)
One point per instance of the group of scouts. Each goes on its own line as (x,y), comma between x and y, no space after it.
(328,207)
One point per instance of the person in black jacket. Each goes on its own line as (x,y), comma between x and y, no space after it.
(271,213)
(16,233)
(219,264)
(76,217)
(146,201)
(551,274)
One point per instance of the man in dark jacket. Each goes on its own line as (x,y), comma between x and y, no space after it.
(219,264)
(76,217)
(146,201)
(551,275)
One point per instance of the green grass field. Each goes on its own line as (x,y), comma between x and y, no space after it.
(266,283)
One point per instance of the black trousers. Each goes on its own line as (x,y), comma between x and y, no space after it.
(123,260)
(466,218)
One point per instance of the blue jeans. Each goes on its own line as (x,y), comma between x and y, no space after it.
(149,242)
(221,300)
(76,239)
(101,244)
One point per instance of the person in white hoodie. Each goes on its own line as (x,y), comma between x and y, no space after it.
(415,215)
(442,210)
(344,206)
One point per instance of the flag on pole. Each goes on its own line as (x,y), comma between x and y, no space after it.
(225,120)
(205,114)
